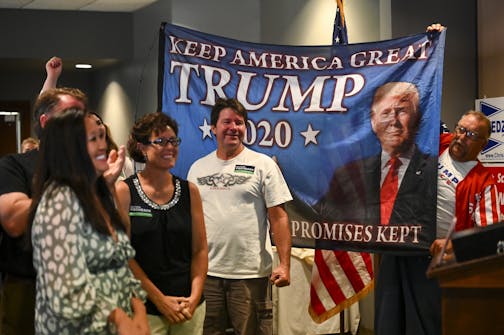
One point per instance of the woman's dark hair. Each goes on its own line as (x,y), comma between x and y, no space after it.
(64,160)
(141,132)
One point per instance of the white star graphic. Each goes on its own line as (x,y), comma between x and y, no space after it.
(205,129)
(310,135)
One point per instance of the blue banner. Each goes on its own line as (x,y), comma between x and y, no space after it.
(310,107)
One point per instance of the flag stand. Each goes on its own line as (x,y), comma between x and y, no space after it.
(342,322)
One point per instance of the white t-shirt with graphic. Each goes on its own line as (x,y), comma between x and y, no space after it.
(236,194)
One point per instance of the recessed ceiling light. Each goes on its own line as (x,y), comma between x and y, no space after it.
(83,66)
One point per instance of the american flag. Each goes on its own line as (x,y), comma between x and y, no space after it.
(340,29)
(339,278)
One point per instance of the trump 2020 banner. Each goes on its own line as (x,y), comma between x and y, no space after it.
(354,128)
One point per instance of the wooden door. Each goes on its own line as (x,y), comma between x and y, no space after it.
(8,140)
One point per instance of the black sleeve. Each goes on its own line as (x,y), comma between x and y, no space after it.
(16,173)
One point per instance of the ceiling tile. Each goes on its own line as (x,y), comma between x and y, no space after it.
(56,5)
(117,5)
(85,5)
(13,3)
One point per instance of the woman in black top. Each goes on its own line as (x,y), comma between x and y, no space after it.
(167,229)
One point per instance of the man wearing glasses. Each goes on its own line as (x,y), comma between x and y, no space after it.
(466,190)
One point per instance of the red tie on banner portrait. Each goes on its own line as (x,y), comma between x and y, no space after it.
(389,189)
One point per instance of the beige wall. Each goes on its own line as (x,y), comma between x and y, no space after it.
(490,49)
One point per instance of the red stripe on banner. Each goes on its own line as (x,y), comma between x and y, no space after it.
(350,271)
(315,302)
(328,279)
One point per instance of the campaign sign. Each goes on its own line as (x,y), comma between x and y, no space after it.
(309,107)
(493,108)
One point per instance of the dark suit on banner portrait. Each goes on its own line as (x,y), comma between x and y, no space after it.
(357,198)
(354,196)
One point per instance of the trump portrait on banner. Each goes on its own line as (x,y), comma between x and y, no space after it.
(396,186)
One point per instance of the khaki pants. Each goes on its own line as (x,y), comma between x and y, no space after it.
(17,306)
(160,326)
(244,304)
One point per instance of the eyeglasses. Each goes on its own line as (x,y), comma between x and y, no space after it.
(163,141)
(459,130)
